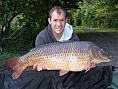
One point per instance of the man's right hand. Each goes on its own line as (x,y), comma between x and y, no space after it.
(38,66)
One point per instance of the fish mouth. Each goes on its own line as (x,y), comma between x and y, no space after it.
(110,57)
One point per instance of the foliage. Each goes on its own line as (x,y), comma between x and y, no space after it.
(98,13)
(29,14)
(87,15)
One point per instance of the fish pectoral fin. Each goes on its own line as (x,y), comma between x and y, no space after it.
(63,72)
(90,64)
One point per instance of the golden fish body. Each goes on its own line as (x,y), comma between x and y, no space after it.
(70,56)
(60,56)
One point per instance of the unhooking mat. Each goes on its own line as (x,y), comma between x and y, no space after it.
(115,80)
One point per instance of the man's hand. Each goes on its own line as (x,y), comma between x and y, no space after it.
(38,66)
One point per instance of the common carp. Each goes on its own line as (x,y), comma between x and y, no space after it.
(67,56)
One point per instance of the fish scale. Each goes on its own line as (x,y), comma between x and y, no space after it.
(60,54)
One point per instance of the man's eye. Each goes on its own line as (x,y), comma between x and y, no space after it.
(55,20)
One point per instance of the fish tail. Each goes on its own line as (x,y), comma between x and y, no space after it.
(11,62)
(15,66)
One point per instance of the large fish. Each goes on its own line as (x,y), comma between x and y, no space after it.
(67,56)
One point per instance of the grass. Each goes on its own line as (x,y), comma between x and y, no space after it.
(14,49)
(78,29)
(105,29)
(7,55)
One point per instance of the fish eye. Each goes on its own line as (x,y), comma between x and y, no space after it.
(105,52)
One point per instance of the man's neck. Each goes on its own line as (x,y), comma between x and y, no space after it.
(57,35)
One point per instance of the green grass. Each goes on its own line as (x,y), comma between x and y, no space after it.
(7,55)
(78,29)
(106,29)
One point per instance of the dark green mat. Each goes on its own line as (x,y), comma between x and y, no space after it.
(115,80)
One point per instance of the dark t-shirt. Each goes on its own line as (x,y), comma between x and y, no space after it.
(96,78)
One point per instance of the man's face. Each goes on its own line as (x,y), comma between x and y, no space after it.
(57,23)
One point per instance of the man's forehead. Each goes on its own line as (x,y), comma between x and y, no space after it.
(57,16)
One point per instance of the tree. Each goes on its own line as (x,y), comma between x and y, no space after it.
(33,12)
(99,13)
(30,14)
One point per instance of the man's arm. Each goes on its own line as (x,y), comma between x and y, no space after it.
(39,41)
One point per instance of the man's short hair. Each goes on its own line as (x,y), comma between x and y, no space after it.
(58,9)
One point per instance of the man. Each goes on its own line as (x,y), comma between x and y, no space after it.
(58,30)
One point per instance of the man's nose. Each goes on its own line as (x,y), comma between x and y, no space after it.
(59,23)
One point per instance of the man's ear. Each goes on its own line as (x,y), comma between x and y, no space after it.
(49,21)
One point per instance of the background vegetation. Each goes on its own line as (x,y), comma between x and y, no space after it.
(30,16)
